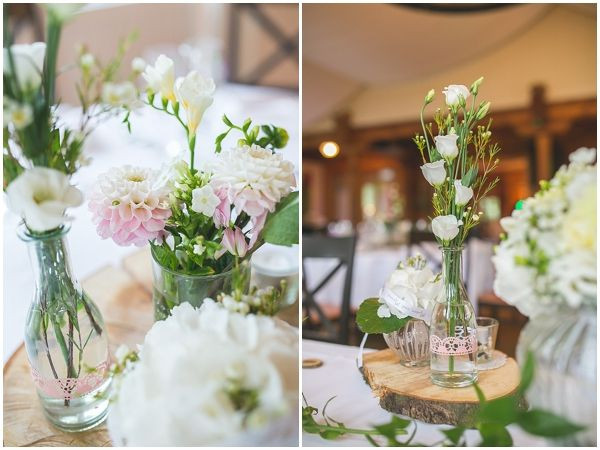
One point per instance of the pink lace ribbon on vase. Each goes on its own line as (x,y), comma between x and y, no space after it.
(69,387)
(453,345)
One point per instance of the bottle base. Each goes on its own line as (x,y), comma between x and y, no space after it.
(453,380)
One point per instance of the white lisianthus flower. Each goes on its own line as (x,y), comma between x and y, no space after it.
(138,65)
(41,196)
(462,193)
(446,227)
(204,200)
(161,78)
(583,155)
(119,94)
(172,398)
(195,94)
(446,146)
(579,228)
(20,115)
(29,64)
(434,172)
(454,92)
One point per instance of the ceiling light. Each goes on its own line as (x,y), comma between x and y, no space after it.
(329,149)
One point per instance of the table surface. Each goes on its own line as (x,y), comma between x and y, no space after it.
(356,406)
(154,140)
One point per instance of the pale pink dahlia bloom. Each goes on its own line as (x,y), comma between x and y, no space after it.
(255,179)
(131,205)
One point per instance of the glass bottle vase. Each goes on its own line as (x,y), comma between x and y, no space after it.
(410,343)
(453,329)
(65,338)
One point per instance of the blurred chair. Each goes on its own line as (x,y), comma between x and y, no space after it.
(320,322)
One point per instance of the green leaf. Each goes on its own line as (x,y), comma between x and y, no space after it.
(546,424)
(281,227)
(469,178)
(219,141)
(479,392)
(503,410)
(164,255)
(494,435)
(369,322)
(246,125)
(227,122)
(527,373)
(454,434)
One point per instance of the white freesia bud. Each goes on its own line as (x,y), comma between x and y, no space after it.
(161,77)
(454,92)
(429,96)
(138,65)
(446,227)
(462,193)
(446,146)
(29,63)
(195,94)
(40,196)
(86,61)
(434,172)
(583,155)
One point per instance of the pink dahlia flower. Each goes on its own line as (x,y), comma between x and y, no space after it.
(131,206)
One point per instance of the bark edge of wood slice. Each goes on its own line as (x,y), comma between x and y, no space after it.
(410,392)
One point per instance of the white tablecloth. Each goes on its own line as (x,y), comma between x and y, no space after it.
(356,406)
(154,140)
(372,267)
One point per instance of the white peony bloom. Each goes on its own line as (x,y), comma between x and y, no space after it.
(138,65)
(583,155)
(462,193)
(161,78)
(454,92)
(446,146)
(29,64)
(40,196)
(446,227)
(173,397)
(204,200)
(195,94)
(434,172)
(119,94)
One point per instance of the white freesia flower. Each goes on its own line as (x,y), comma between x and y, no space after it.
(462,193)
(446,227)
(119,94)
(20,115)
(41,196)
(138,65)
(86,61)
(446,146)
(583,155)
(199,249)
(29,64)
(204,200)
(173,397)
(454,92)
(434,172)
(161,77)
(195,94)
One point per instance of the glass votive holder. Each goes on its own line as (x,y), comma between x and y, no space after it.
(487,331)
(273,263)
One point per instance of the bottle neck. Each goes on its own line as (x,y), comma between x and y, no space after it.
(452,273)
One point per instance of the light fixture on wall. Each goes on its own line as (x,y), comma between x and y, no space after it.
(329,149)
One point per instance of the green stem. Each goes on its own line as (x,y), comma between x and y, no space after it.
(425,132)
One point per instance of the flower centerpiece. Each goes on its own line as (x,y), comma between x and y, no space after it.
(206,377)
(546,267)
(402,311)
(203,222)
(65,338)
(458,159)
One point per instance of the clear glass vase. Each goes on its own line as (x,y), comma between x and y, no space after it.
(65,338)
(563,344)
(172,288)
(453,329)
(410,343)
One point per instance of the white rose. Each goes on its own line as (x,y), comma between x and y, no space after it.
(453,93)
(204,200)
(583,155)
(446,227)
(29,64)
(161,77)
(462,193)
(446,146)
(434,172)
(138,65)
(195,94)
(41,195)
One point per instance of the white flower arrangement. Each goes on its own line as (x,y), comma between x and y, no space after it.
(207,377)
(548,257)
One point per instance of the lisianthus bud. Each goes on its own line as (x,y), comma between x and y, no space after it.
(483,110)
(475,86)
(429,96)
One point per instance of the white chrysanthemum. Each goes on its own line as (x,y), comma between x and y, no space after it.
(177,393)
(255,178)
(131,205)
(548,258)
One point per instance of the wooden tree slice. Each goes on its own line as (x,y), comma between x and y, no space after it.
(410,392)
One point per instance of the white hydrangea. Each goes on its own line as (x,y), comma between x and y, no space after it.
(176,394)
(548,257)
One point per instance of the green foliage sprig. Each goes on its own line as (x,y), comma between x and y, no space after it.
(265,136)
